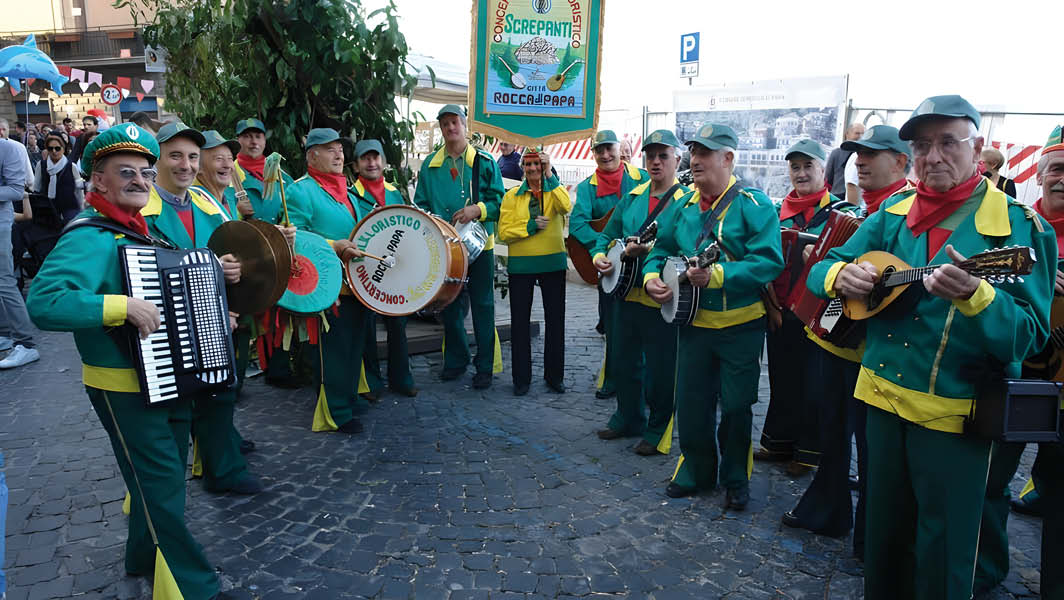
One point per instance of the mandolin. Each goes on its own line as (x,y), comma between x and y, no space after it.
(581,258)
(996,266)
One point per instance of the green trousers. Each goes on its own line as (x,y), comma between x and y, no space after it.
(717,365)
(242,351)
(644,373)
(218,440)
(1048,472)
(478,296)
(925,498)
(341,357)
(608,315)
(400,378)
(157,441)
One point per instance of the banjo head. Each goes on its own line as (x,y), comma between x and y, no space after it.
(670,275)
(611,280)
(421,255)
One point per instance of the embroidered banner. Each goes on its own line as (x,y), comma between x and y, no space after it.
(534,76)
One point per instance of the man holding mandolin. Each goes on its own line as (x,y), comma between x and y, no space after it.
(924,352)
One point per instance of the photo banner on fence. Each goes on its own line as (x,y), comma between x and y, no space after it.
(768,117)
(534,74)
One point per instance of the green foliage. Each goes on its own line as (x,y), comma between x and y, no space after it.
(295,64)
(569,58)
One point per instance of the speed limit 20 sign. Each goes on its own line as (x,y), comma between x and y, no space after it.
(110,94)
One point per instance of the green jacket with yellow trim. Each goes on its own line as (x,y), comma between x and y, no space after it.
(368,202)
(828,199)
(749,229)
(590,206)
(163,221)
(81,288)
(532,250)
(311,208)
(271,211)
(227,201)
(625,221)
(442,195)
(921,365)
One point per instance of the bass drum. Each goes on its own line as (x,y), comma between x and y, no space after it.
(425,263)
(316,277)
(681,308)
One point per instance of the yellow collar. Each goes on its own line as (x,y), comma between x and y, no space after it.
(154,207)
(643,187)
(361,189)
(437,159)
(633,172)
(991,218)
(697,196)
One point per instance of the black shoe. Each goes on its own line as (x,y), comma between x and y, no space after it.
(451,374)
(790,520)
(247,486)
(371,397)
(737,499)
(645,448)
(1025,506)
(604,394)
(556,387)
(609,434)
(675,490)
(247,446)
(482,381)
(854,484)
(520,389)
(408,392)
(768,456)
(352,426)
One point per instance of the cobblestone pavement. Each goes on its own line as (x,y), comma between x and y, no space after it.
(455,494)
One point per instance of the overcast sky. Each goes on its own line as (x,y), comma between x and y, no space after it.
(1003,55)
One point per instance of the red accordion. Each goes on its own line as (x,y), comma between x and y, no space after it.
(824,317)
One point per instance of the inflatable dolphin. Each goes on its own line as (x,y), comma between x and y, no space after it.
(27,62)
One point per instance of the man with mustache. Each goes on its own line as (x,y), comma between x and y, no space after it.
(643,372)
(80,288)
(791,430)
(373,192)
(719,361)
(596,196)
(187,218)
(926,480)
(1048,469)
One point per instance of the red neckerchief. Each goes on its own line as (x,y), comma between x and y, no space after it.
(133,221)
(254,166)
(873,198)
(1057,223)
(930,207)
(609,183)
(333,183)
(806,205)
(375,187)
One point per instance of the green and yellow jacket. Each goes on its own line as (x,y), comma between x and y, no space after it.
(921,365)
(532,250)
(271,211)
(368,202)
(442,195)
(164,222)
(81,288)
(311,208)
(749,229)
(227,202)
(590,206)
(625,221)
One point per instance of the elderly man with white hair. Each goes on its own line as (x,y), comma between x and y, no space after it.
(926,478)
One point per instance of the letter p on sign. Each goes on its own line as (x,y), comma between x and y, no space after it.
(689,47)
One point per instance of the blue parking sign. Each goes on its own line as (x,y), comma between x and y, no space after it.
(689,47)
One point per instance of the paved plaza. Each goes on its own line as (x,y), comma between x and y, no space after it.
(456,494)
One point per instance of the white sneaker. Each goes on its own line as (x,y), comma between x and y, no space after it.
(21,355)
(5,344)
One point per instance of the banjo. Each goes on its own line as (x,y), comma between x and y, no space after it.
(620,280)
(681,308)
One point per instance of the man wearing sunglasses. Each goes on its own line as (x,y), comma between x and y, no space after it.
(57,179)
(80,288)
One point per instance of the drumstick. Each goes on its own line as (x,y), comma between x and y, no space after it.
(388,260)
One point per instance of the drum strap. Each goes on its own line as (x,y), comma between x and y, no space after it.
(475,197)
(110,225)
(665,198)
(714,216)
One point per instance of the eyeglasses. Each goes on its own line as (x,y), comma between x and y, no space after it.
(55,148)
(129,173)
(946,145)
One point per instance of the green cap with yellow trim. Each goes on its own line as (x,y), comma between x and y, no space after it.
(715,136)
(1055,141)
(125,138)
(663,137)
(605,136)
(808,147)
(950,105)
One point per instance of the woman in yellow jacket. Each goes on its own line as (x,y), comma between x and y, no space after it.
(530,223)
